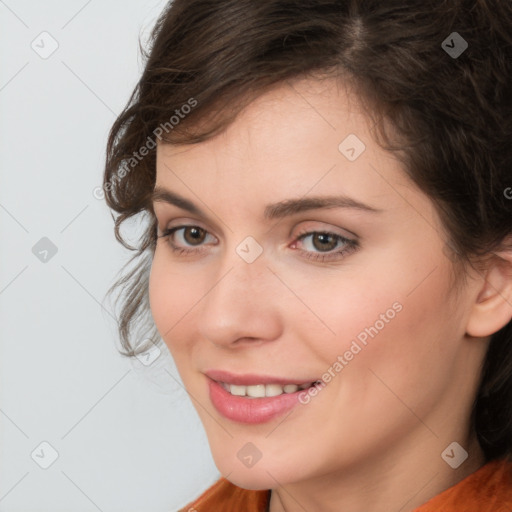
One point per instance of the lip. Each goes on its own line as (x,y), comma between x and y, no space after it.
(251,379)
(251,410)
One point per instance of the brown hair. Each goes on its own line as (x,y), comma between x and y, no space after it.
(452,113)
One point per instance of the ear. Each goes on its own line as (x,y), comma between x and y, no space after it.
(492,308)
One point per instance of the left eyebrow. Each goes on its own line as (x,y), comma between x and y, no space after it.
(275,210)
(293,206)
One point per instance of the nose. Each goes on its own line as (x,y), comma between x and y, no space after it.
(242,305)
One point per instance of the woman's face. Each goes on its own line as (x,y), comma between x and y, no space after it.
(301,255)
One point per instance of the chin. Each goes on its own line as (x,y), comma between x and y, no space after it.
(261,476)
(251,479)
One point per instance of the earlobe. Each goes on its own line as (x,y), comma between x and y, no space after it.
(492,308)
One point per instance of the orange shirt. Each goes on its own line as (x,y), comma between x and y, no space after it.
(489,489)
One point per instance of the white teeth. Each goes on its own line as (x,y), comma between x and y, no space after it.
(273,390)
(262,390)
(237,390)
(257,391)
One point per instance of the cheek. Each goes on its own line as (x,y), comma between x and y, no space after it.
(172,296)
(346,311)
(397,321)
(398,343)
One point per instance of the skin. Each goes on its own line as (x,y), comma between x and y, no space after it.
(372,438)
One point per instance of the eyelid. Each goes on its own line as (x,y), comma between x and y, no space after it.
(165,214)
(349,245)
(186,249)
(182,222)
(309,226)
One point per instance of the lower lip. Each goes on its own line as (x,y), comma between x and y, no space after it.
(250,410)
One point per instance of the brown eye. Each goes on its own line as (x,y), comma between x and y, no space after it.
(194,235)
(325,245)
(324,241)
(187,240)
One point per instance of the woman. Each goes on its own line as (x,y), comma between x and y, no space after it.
(328,255)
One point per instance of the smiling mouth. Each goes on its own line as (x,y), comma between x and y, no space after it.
(252,399)
(264,390)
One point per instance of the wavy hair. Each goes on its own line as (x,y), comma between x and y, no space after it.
(451,117)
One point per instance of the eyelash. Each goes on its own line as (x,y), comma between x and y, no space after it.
(351,245)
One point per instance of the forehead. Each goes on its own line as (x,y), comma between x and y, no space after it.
(302,137)
(293,110)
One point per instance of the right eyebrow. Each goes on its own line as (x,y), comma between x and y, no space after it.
(163,195)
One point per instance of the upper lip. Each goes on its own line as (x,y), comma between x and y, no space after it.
(249,379)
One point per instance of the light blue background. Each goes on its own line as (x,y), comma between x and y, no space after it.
(127,436)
